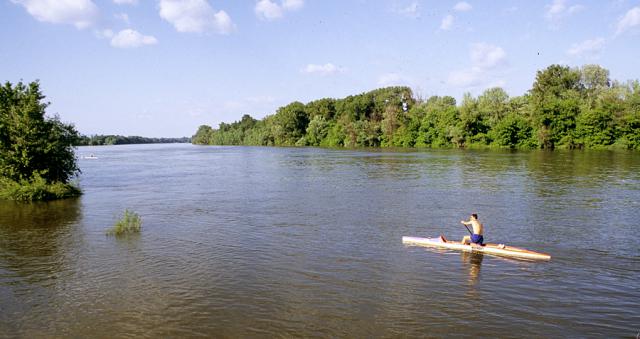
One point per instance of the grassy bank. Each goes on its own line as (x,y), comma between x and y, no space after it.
(36,189)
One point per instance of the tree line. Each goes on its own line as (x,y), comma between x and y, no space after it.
(565,108)
(98,140)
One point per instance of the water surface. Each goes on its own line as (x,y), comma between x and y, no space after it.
(251,242)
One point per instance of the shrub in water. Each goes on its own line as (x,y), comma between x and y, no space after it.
(130,223)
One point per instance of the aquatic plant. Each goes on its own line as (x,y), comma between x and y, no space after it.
(130,223)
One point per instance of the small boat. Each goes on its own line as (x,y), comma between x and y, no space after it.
(494,249)
(90,157)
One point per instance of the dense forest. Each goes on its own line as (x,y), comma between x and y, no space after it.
(565,108)
(123,140)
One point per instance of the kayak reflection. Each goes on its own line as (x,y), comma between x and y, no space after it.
(472,261)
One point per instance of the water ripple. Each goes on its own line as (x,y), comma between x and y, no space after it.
(303,242)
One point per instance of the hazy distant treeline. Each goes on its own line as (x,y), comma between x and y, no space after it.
(123,140)
(566,108)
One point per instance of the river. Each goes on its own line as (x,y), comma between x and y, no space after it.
(264,242)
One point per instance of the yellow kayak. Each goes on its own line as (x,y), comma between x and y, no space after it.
(495,249)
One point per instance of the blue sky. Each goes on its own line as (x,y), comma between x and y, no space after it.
(164,67)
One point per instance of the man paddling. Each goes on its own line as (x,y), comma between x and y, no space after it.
(476,237)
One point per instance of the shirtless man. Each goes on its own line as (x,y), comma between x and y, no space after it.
(476,238)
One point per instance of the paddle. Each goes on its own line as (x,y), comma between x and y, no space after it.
(468,230)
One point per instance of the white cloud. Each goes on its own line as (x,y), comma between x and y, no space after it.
(195,16)
(126,2)
(462,7)
(587,48)
(411,11)
(223,23)
(486,56)
(558,10)
(555,9)
(326,69)
(129,38)
(270,10)
(630,20)
(265,9)
(446,23)
(80,13)
(292,5)
(485,62)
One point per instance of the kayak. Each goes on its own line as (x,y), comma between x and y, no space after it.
(495,249)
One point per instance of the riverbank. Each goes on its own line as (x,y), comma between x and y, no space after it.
(566,108)
(97,140)
(36,189)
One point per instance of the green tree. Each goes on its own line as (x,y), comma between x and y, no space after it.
(367,133)
(513,131)
(336,135)
(258,135)
(111,140)
(493,105)
(246,123)
(555,99)
(323,107)
(399,97)
(595,127)
(355,107)
(392,120)
(31,144)
(566,107)
(555,81)
(203,135)
(630,121)
(631,130)
(473,123)
(317,130)
(291,121)
(408,133)
(594,80)
(441,125)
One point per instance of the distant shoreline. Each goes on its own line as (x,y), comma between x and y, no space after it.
(104,140)
(566,107)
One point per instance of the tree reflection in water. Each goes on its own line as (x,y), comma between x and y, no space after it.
(33,238)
